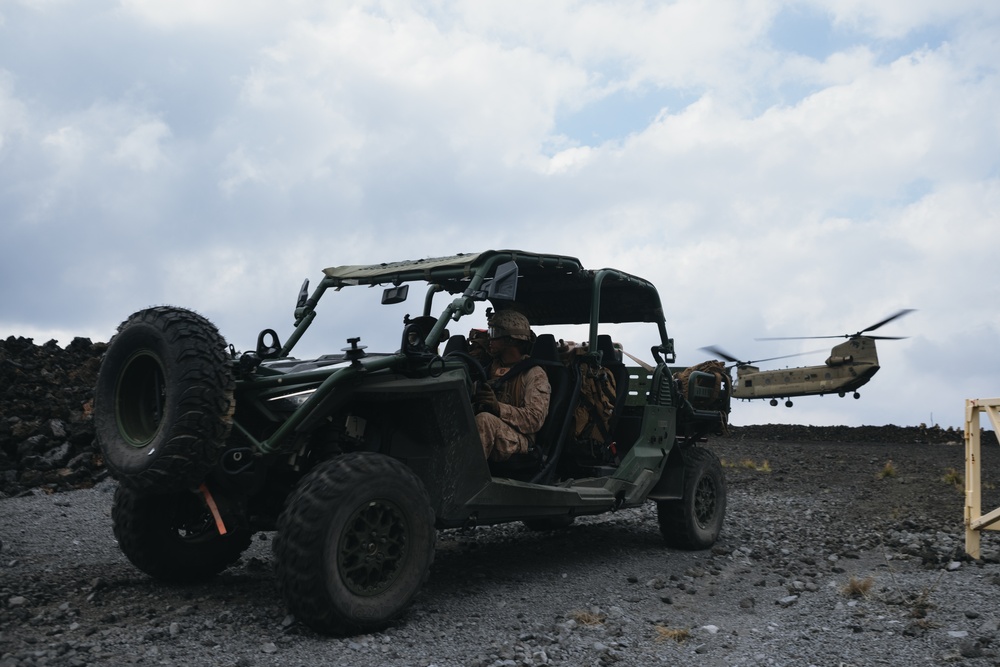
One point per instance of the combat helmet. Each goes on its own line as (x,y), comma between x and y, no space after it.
(510,323)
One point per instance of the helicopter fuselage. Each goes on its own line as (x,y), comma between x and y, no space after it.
(850,365)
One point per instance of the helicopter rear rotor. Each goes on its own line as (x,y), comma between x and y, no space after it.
(863,332)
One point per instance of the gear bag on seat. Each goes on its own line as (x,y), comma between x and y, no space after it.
(705,392)
(596,406)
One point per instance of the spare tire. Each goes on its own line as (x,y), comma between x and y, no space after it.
(163,405)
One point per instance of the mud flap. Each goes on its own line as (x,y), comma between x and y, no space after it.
(671,483)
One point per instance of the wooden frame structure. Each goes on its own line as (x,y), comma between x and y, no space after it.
(975,520)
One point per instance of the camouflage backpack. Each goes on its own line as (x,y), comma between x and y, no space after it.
(704,393)
(596,405)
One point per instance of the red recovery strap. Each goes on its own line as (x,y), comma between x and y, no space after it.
(210,501)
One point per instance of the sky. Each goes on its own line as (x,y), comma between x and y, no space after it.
(774,167)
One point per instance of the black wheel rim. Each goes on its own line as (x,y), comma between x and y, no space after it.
(705,498)
(191,521)
(373,548)
(140,399)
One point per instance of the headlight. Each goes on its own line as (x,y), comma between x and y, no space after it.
(293,400)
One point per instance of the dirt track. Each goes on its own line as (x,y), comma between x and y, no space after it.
(805,519)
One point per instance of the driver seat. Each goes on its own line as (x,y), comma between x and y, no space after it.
(538,464)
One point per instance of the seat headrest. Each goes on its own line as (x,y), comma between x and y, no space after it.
(609,355)
(545,348)
(456,343)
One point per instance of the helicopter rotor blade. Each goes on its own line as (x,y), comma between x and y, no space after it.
(803,337)
(722,354)
(904,311)
(897,315)
(728,357)
(785,356)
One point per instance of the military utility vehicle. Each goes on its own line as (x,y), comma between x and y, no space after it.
(357,459)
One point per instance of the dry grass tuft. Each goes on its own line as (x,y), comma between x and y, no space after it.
(954,478)
(888,470)
(919,610)
(676,634)
(748,464)
(857,588)
(588,618)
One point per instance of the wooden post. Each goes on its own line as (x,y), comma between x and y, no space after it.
(975,522)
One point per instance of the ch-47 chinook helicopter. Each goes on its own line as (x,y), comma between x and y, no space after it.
(850,365)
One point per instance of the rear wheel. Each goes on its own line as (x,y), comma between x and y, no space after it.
(695,521)
(355,543)
(173,536)
(164,400)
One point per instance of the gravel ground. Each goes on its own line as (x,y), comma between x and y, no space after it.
(825,559)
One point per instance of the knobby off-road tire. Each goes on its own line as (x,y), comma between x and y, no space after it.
(173,537)
(355,543)
(164,400)
(695,521)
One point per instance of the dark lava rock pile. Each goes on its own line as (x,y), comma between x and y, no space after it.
(922,435)
(47,434)
(46,430)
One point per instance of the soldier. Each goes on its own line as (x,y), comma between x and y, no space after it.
(512,406)
(479,346)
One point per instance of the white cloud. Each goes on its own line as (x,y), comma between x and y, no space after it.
(221,15)
(571,158)
(376,87)
(13,115)
(104,135)
(141,147)
(213,155)
(239,169)
(68,145)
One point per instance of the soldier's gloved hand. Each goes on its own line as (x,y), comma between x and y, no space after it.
(485,400)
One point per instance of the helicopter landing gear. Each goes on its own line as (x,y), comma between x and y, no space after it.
(841,394)
(774,402)
(857,395)
(788,404)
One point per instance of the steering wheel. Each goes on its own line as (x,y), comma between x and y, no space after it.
(476,369)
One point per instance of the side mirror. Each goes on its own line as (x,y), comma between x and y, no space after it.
(393,295)
(503,286)
(303,294)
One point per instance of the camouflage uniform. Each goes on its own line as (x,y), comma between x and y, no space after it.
(524,404)
(520,404)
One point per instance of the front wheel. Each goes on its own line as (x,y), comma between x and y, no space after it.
(695,521)
(355,543)
(173,536)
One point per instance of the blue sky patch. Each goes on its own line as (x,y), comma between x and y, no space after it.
(620,114)
(809,32)
(812,33)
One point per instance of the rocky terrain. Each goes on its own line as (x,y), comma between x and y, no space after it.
(46,433)
(841,547)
